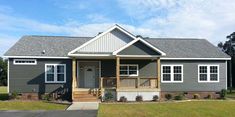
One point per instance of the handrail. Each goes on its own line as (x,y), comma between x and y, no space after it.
(136,85)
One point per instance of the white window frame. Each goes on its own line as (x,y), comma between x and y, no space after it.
(208,73)
(55,73)
(15,62)
(172,73)
(137,74)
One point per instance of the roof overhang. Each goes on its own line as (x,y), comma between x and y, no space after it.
(163,58)
(47,57)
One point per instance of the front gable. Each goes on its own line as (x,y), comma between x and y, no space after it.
(106,42)
(116,41)
(138,48)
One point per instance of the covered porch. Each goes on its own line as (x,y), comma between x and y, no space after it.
(118,81)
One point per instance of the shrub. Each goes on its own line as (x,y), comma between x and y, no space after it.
(14,95)
(108,96)
(155,98)
(139,98)
(209,96)
(168,96)
(223,93)
(46,97)
(196,96)
(179,97)
(4,96)
(123,99)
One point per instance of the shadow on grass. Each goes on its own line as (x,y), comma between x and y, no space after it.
(4,96)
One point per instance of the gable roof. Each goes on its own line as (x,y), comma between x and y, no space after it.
(102,46)
(54,46)
(143,41)
(60,46)
(99,36)
(187,48)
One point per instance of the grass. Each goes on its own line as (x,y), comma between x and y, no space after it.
(30,105)
(181,109)
(3,89)
(3,93)
(26,105)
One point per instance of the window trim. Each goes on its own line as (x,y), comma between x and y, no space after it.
(137,74)
(208,73)
(172,73)
(15,63)
(55,74)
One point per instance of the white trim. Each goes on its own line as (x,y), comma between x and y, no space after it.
(142,40)
(128,65)
(172,73)
(126,46)
(8,73)
(208,73)
(195,58)
(55,73)
(49,57)
(15,63)
(139,56)
(100,35)
(89,55)
(226,75)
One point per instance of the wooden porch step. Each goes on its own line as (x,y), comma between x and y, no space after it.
(85,96)
(86,100)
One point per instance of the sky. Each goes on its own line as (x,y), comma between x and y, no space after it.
(208,19)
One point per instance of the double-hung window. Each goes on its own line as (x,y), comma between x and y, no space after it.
(129,70)
(208,73)
(172,73)
(55,73)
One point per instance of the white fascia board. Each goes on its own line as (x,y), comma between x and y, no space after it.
(124,47)
(151,46)
(139,56)
(89,55)
(97,37)
(49,57)
(195,58)
(134,41)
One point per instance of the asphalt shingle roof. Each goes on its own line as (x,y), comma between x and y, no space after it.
(60,46)
(54,46)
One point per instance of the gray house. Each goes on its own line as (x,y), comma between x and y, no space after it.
(115,61)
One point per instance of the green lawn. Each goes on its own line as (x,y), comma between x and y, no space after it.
(181,109)
(30,105)
(3,89)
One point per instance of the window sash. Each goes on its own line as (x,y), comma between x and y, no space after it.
(172,72)
(128,70)
(208,73)
(55,73)
(25,62)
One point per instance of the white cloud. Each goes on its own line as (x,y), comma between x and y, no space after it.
(211,19)
(6,41)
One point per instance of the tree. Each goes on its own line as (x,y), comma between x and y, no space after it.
(3,72)
(229,47)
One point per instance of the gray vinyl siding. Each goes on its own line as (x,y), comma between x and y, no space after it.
(107,43)
(147,68)
(190,77)
(31,78)
(138,48)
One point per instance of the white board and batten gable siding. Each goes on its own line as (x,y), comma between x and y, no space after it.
(107,43)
